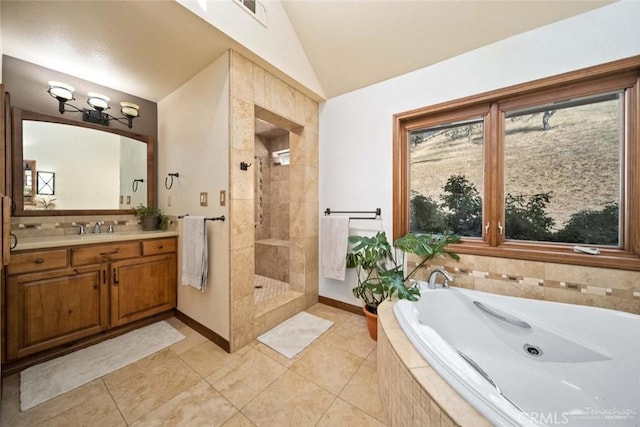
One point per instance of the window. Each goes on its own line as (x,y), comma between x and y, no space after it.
(447,178)
(535,171)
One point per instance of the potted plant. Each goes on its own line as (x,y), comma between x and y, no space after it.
(151,218)
(380,270)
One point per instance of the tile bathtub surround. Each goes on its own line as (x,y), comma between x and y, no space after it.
(591,286)
(414,394)
(196,383)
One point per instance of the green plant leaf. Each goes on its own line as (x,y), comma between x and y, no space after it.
(380,274)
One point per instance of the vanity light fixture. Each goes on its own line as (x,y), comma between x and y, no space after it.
(98,103)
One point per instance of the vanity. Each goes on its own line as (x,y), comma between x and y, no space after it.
(63,290)
(60,291)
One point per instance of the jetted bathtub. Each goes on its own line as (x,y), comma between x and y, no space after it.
(523,362)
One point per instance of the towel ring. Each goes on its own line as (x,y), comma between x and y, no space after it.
(134,185)
(167,184)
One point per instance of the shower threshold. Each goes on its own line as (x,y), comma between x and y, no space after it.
(269,294)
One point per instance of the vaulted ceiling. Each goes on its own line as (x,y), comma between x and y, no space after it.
(149,48)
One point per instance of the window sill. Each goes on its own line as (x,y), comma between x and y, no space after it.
(608,258)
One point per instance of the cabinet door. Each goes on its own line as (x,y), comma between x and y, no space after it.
(45,310)
(142,287)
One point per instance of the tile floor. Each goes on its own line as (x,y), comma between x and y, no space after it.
(333,382)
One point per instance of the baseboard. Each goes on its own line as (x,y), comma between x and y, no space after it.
(355,309)
(203,330)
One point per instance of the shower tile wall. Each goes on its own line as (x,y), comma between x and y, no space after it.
(275,190)
(252,89)
(272,210)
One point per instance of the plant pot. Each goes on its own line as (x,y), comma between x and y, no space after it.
(372,323)
(150,223)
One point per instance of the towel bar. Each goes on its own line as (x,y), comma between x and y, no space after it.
(376,213)
(212,218)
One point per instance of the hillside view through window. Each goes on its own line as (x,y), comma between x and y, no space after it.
(562,173)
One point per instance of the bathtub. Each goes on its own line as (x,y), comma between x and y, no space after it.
(522,362)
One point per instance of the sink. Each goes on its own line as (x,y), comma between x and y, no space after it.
(94,236)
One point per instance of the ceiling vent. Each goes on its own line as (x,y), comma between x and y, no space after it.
(254,8)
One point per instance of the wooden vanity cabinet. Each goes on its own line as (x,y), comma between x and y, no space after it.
(142,287)
(58,296)
(52,308)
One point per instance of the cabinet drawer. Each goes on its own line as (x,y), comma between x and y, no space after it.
(104,253)
(158,246)
(37,261)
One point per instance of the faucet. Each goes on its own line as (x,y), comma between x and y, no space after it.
(96,228)
(81,232)
(434,275)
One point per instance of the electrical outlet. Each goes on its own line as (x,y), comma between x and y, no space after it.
(169,200)
(204,196)
(128,200)
(223,197)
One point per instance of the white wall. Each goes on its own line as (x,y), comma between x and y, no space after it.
(356,128)
(277,44)
(193,140)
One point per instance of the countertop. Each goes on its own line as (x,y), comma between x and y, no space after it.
(87,239)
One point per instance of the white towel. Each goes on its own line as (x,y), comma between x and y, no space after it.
(334,243)
(195,259)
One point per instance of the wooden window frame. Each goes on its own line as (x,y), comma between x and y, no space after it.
(617,75)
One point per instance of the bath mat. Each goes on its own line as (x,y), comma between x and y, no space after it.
(47,380)
(293,335)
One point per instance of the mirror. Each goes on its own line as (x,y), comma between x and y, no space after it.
(82,168)
(28,191)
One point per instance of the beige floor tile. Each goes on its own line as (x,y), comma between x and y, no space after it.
(200,405)
(207,357)
(279,357)
(139,367)
(290,401)
(191,337)
(166,388)
(328,366)
(331,313)
(351,336)
(274,355)
(99,411)
(373,356)
(239,420)
(164,376)
(342,414)
(362,391)
(11,415)
(11,387)
(245,377)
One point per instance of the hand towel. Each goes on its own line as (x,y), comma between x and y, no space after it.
(195,259)
(334,243)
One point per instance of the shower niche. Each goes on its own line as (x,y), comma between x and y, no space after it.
(271,217)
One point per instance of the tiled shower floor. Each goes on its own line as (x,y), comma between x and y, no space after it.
(270,294)
(266,288)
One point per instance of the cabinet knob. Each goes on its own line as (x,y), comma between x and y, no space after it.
(160,247)
(39,261)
